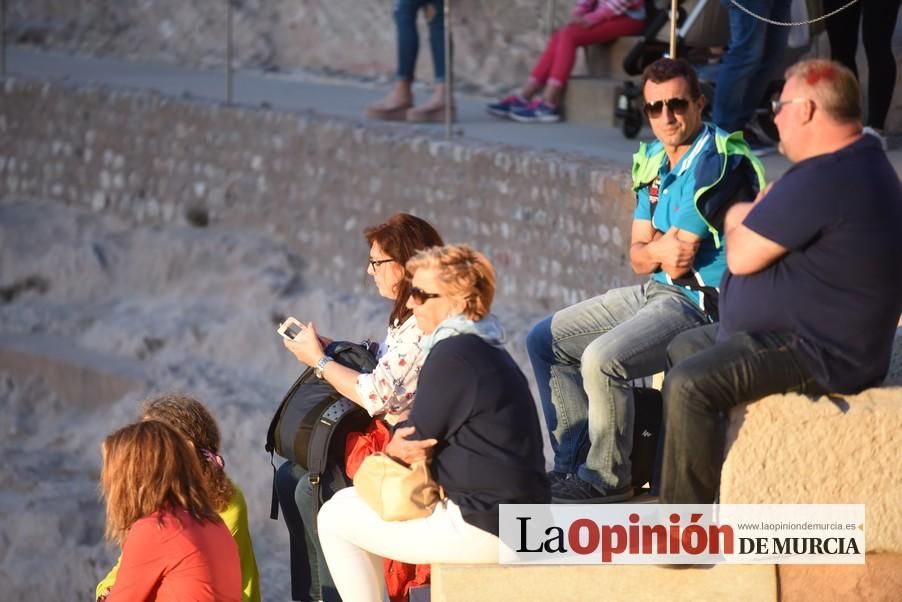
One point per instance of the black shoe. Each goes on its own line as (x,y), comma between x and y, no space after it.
(555,476)
(576,491)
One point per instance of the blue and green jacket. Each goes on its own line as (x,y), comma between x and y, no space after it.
(717,171)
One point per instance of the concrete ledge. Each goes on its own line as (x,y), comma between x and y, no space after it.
(606,60)
(791,449)
(879,580)
(634,583)
(79,377)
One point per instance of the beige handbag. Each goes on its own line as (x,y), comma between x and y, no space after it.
(395,491)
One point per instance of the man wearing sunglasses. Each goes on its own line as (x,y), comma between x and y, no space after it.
(814,289)
(585,357)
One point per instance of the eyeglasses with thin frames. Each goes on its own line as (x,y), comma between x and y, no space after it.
(777,105)
(677,106)
(420,296)
(375,263)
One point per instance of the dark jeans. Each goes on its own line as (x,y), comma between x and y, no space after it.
(753,60)
(409,40)
(304,584)
(878,21)
(706,380)
(304,502)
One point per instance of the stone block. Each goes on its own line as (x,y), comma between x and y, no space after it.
(633,583)
(841,449)
(606,60)
(878,580)
(591,100)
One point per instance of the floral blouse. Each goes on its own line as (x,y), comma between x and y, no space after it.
(391,387)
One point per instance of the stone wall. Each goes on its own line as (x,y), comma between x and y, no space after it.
(557,227)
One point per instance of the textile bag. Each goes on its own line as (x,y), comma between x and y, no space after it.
(395,491)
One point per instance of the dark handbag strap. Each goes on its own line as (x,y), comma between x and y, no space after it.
(274,501)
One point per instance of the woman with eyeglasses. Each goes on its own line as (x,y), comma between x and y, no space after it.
(387,393)
(474,416)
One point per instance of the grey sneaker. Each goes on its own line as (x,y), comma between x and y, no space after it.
(576,491)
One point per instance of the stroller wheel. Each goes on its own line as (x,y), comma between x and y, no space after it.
(631,125)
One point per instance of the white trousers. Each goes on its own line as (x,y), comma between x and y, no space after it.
(355,540)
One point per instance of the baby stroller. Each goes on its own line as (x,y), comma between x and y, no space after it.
(703,32)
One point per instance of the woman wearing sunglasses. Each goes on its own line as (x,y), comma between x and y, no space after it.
(387,393)
(474,416)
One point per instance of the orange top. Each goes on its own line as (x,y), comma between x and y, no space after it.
(169,556)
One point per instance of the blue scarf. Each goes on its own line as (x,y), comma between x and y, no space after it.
(488,329)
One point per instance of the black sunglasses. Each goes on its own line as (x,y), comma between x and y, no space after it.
(375,263)
(420,296)
(677,106)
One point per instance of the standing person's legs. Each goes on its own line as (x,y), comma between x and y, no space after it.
(633,349)
(877,27)
(701,389)
(842,31)
(437,38)
(555,346)
(400,98)
(304,586)
(405,12)
(355,540)
(738,91)
(776,40)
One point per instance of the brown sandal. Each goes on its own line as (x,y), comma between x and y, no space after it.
(429,114)
(384,113)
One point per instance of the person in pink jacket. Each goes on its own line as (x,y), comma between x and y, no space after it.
(592,22)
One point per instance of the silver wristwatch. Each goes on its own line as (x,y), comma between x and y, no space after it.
(320,365)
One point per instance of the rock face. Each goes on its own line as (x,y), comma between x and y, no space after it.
(125,312)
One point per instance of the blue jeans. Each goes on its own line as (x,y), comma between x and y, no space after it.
(752,61)
(707,380)
(585,358)
(409,40)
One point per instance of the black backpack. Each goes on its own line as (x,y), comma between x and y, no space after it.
(313,421)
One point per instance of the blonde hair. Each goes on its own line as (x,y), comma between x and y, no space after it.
(464,273)
(148,467)
(833,87)
(193,421)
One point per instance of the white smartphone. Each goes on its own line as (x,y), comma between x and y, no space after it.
(290,328)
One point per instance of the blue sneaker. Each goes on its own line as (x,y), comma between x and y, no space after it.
(538,111)
(503,107)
